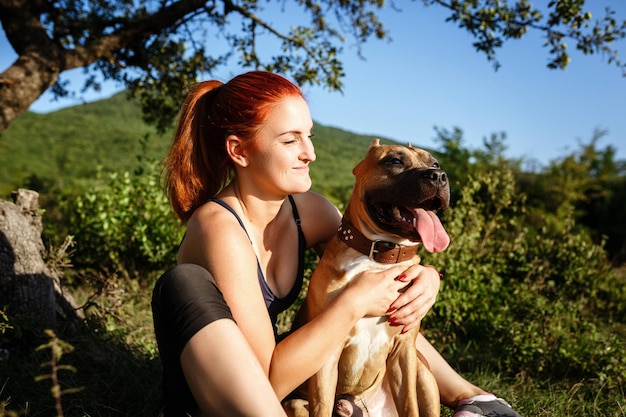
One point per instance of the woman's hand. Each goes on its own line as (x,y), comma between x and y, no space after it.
(372,293)
(412,305)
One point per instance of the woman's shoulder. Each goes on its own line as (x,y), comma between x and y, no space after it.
(210,210)
(320,218)
(210,229)
(315,204)
(212,219)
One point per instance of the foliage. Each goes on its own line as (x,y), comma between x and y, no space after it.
(123,224)
(588,185)
(157,48)
(58,348)
(4,321)
(491,23)
(544,300)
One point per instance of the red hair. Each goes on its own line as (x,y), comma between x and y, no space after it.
(197,166)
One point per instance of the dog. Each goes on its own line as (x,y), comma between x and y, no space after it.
(378,371)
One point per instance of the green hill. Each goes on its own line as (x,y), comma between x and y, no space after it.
(72,143)
(58,148)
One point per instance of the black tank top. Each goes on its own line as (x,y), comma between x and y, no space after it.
(276,305)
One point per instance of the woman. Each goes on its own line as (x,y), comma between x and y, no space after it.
(237,175)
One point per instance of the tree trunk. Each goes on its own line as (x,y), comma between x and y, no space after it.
(29,289)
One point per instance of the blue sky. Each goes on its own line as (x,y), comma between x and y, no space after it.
(430,75)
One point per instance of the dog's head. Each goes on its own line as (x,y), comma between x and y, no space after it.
(400,189)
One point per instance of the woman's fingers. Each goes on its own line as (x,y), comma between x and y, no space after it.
(417,299)
(376,291)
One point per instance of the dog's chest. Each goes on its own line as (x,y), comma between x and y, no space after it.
(371,338)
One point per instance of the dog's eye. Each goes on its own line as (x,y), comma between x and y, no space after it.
(395,161)
(436,165)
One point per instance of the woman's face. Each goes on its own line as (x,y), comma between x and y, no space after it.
(280,154)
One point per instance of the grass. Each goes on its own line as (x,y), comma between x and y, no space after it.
(533,398)
(117,367)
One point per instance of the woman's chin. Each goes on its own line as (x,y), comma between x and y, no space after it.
(303,186)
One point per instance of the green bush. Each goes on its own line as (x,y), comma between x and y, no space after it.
(525,294)
(124,223)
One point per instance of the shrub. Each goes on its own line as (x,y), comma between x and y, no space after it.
(523,293)
(124,223)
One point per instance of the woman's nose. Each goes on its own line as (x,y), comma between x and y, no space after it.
(308,150)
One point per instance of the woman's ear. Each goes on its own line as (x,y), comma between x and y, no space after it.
(236,150)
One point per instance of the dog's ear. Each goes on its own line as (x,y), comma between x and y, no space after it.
(408,145)
(375,142)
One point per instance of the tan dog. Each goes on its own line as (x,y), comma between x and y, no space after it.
(392,209)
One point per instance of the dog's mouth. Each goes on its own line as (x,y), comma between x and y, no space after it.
(419,224)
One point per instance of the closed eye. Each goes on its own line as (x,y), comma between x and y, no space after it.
(292,139)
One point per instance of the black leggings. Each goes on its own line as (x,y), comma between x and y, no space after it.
(185,299)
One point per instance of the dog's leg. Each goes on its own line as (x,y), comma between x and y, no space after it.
(427,390)
(401,366)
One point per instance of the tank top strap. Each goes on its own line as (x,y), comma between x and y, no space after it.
(234,213)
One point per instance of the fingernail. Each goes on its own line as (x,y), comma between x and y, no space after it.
(393,321)
(401,277)
(392,309)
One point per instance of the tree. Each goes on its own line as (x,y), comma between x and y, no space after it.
(157,47)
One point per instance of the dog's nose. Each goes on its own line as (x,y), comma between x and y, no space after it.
(438,176)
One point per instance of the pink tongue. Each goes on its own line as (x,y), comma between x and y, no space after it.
(428,225)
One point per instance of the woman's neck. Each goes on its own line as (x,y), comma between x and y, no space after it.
(258,210)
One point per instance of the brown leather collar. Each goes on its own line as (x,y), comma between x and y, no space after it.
(378,250)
